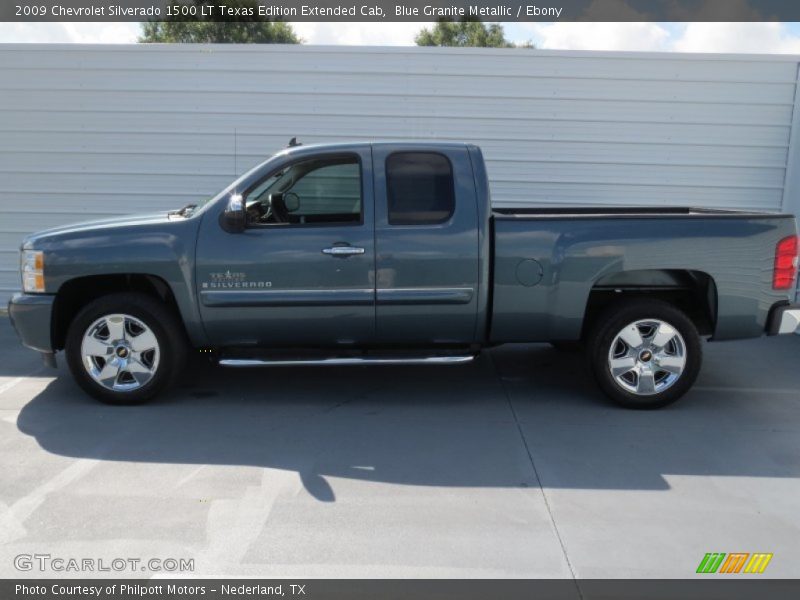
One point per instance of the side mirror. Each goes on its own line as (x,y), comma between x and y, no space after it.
(233,219)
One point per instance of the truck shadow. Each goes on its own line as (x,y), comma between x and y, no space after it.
(470,426)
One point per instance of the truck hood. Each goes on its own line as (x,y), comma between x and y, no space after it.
(98,226)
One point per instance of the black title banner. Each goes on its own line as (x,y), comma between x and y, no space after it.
(408,589)
(399,10)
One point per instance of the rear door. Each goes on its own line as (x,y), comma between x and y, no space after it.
(426,232)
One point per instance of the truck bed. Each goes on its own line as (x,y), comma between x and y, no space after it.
(548,261)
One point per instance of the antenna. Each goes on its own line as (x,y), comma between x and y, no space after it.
(293,142)
(235,154)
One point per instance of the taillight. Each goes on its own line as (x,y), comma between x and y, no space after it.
(785,264)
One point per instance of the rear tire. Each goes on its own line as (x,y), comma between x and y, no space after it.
(125,348)
(644,354)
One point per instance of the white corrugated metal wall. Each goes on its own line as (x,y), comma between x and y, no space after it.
(92,131)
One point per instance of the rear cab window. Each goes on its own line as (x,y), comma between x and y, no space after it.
(420,189)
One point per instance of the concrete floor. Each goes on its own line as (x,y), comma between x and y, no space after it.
(513,466)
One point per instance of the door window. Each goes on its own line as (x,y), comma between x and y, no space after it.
(314,191)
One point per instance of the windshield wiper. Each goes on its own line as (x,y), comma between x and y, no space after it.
(183,212)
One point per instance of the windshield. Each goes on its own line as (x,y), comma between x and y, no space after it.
(277,182)
(235,186)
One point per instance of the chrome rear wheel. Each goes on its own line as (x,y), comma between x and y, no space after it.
(644,353)
(647,357)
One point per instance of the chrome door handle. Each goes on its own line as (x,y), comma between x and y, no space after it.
(342,251)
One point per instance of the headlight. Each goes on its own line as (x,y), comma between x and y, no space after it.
(32,267)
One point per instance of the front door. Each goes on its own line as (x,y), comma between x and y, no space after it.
(302,272)
(426,226)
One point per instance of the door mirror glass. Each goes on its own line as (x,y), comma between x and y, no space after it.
(233,218)
(291,201)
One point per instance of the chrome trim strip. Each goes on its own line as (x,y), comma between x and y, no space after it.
(245,298)
(424,295)
(339,362)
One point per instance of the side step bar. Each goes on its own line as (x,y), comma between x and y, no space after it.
(347,361)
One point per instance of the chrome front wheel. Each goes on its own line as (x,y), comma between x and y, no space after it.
(120,352)
(125,348)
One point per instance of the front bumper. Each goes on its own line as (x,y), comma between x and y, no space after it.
(32,318)
(784,319)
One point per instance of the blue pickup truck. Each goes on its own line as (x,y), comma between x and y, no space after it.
(391,253)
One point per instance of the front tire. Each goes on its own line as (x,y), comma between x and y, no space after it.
(644,354)
(125,348)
